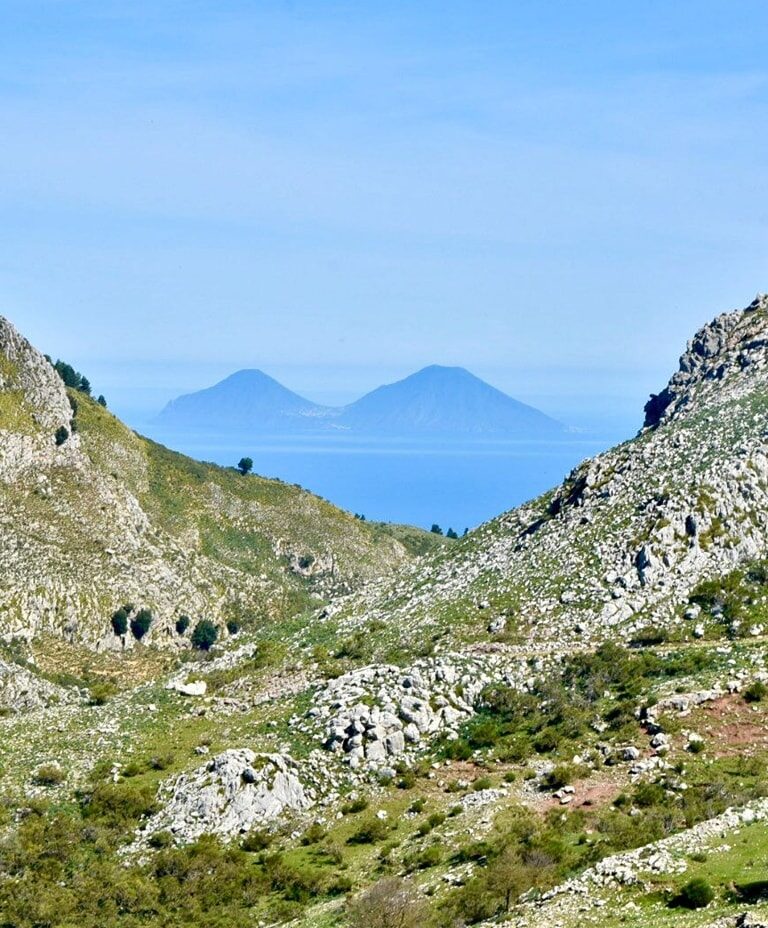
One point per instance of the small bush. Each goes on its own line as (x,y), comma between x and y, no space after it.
(558,777)
(458,749)
(133,769)
(756,692)
(49,775)
(431,856)
(482,783)
(387,903)
(407,780)
(161,839)
(268,653)
(100,693)
(182,624)
(355,805)
(233,627)
(120,804)
(370,831)
(696,894)
(257,840)
(161,761)
(314,834)
(205,634)
(648,795)
(62,434)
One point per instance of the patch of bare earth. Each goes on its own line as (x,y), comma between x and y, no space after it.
(732,726)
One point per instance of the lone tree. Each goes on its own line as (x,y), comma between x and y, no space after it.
(245,466)
(204,635)
(451,534)
(436,530)
(140,623)
(120,622)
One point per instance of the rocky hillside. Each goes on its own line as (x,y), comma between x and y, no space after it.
(94,517)
(560,720)
(619,547)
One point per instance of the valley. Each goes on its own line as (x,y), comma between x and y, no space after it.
(558,719)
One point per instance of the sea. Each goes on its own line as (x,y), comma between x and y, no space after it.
(453,484)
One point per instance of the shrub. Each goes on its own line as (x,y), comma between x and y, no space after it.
(161,761)
(205,634)
(371,830)
(431,856)
(233,627)
(182,624)
(62,434)
(482,783)
(558,776)
(100,693)
(755,692)
(387,903)
(458,749)
(133,769)
(120,622)
(313,834)
(257,840)
(356,647)
(120,804)
(406,780)
(141,623)
(696,894)
(49,775)
(161,839)
(648,794)
(268,653)
(355,805)
(245,466)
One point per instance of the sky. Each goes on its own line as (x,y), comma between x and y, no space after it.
(553,194)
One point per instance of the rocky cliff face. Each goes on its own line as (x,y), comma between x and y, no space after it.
(93,517)
(733,343)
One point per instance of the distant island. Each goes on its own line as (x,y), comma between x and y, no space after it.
(436,401)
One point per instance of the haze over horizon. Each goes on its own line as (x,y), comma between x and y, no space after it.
(553,197)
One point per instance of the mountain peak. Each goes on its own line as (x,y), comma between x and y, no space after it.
(733,343)
(445,400)
(247,399)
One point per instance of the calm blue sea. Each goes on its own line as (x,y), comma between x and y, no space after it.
(417,482)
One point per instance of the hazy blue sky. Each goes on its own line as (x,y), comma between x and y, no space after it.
(553,194)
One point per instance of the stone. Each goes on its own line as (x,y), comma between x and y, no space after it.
(233,792)
(198,688)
